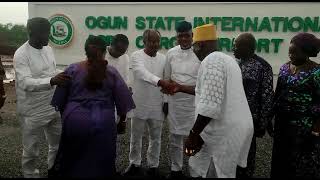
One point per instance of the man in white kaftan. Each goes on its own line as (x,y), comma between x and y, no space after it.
(148,71)
(220,96)
(221,104)
(117,58)
(182,67)
(221,136)
(36,77)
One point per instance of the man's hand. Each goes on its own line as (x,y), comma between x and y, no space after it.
(131,92)
(193,144)
(60,79)
(164,83)
(175,87)
(121,127)
(165,109)
(171,88)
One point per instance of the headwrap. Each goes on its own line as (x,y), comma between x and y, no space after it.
(93,44)
(308,43)
(205,33)
(95,41)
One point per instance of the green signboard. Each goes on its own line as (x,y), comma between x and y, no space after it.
(223,24)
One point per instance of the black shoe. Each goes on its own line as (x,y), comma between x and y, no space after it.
(175,175)
(154,172)
(132,170)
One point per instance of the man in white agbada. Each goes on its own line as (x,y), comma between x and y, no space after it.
(221,136)
(182,67)
(148,71)
(117,57)
(36,77)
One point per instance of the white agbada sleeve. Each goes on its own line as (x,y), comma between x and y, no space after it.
(167,68)
(167,75)
(139,69)
(126,70)
(212,89)
(24,76)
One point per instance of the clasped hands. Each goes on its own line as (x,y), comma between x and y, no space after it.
(169,87)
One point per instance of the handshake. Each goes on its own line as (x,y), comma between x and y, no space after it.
(169,87)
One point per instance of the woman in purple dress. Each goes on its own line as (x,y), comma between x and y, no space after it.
(87,104)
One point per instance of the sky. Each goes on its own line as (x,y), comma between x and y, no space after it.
(13,12)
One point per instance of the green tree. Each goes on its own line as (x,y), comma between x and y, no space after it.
(12,36)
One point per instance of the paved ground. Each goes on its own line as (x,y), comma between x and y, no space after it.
(11,148)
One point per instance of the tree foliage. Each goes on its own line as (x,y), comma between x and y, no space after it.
(12,36)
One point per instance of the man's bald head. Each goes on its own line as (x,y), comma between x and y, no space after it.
(38,24)
(150,33)
(244,46)
(247,38)
(38,30)
(151,40)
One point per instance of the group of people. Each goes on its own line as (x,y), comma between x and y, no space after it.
(216,105)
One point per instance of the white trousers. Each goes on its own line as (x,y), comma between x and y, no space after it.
(211,172)
(137,131)
(30,141)
(176,151)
